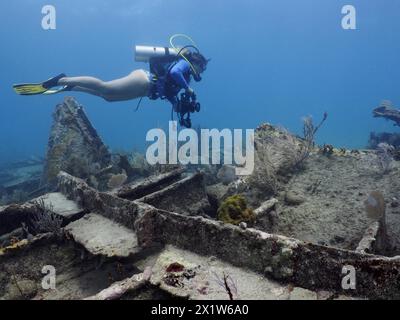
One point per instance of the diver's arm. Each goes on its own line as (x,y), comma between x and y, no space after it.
(177,74)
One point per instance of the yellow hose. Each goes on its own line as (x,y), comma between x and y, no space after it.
(181,35)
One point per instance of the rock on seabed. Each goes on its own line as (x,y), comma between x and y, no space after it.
(74,145)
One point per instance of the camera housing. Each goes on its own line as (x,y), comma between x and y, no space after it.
(187,105)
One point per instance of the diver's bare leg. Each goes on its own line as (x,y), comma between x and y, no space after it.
(99,94)
(133,86)
(86,90)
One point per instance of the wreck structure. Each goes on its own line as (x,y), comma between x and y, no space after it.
(158,237)
(74,144)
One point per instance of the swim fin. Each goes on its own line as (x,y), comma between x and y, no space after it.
(54,91)
(28,89)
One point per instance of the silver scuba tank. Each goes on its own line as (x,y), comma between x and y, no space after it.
(145,53)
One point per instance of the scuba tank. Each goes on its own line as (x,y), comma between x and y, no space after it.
(146,53)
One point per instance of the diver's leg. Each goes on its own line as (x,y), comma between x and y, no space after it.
(109,98)
(86,90)
(133,86)
(97,93)
(83,82)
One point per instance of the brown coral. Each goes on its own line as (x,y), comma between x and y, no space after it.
(234,210)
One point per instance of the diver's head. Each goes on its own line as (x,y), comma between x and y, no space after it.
(199,63)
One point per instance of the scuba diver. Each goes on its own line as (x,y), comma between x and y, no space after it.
(171,71)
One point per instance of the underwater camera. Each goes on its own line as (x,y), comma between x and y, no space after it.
(187,104)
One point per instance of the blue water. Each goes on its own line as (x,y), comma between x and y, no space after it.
(272,61)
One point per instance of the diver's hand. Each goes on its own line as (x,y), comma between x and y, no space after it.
(190,91)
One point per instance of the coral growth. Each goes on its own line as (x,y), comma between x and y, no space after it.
(234,210)
(264,176)
(138,161)
(280,154)
(385,157)
(309,132)
(45,220)
(227,283)
(175,267)
(328,150)
(375,206)
(117,180)
(396,154)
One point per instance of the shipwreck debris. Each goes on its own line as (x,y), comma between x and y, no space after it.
(392,139)
(171,214)
(74,144)
(103,237)
(149,185)
(375,238)
(119,289)
(306,265)
(187,196)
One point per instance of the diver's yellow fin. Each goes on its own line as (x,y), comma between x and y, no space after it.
(29,89)
(35,89)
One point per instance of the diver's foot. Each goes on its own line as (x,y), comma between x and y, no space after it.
(53,82)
